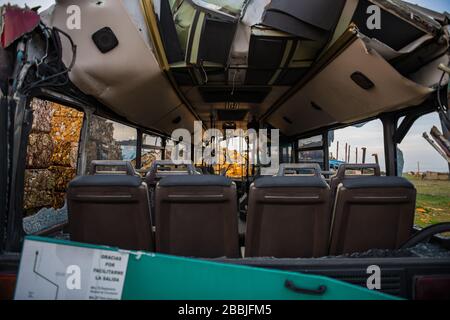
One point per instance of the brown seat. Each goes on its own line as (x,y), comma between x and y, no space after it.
(197,216)
(157,172)
(288,217)
(372,213)
(341,174)
(110,210)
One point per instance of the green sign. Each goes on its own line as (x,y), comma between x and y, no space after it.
(57,269)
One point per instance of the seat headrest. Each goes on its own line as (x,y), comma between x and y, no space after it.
(126,165)
(290,182)
(301,166)
(106,181)
(195,180)
(377,182)
(341,173)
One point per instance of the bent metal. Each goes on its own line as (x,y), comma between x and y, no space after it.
(206,146)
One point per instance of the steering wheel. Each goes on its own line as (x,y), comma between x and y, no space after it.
(426,233)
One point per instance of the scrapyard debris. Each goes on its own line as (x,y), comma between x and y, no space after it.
(101,143)
(40,150)
(65,154)
(62,176)
(52,154)
(42,116)
(38,188)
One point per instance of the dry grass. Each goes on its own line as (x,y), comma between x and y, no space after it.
(433,201)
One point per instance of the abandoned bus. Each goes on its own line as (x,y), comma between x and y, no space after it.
(170,149)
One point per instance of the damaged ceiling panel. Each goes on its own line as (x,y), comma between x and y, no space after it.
(404,34)
(128,78)
(356,85)
(307,19)
(275,44)
(286,63)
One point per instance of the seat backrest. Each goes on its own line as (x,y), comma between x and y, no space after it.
(155,174)
(288,217)
(362,170)
(110,210)
(197,216)
(372,213)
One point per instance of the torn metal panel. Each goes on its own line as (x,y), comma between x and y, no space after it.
(254,12)
(344,21)
(403,10)
(345,101)
(15,22)
(289,24)
(127,79)
(388,53)
(430,75)
(395,32)
(439,17)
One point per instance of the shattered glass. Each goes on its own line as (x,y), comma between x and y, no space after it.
(52,154)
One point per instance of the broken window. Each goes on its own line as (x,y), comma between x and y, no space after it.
(312,142)
(362,143)
(51,162)
(311,150)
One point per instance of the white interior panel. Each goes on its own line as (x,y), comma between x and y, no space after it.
(127,79)
(341,99)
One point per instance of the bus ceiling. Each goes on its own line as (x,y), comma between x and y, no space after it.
(299,66)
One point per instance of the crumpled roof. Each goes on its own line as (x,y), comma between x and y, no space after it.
(15,22)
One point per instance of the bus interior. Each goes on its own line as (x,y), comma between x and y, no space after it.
(100,108)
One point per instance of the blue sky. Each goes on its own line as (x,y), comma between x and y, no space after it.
(437,5)
(415,148)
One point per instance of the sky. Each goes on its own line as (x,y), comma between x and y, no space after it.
(414,147)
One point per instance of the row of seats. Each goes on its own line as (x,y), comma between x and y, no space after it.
(293,216)
(288,216)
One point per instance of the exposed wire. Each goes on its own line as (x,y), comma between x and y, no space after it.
(50,68)
(204,73)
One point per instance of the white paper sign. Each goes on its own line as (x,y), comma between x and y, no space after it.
(50,271)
